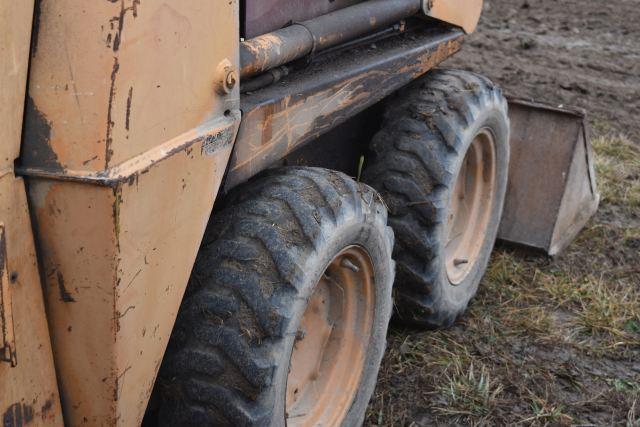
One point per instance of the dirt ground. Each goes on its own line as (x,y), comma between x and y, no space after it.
(545,342)
(574,52)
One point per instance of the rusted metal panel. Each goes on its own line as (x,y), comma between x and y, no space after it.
(264,16)
(28,388)
(282,46)
(15,33)
(552,190)
(278,119)
(136,230)
(463,13)
(127,137)
(7,333)
(125,76)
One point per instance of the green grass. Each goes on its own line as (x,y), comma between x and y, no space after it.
(618,170)
(545,342)
(470,391)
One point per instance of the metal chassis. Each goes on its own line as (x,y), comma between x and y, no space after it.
(281,118)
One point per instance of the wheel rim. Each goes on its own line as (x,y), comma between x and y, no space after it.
(471,206)
(328,356)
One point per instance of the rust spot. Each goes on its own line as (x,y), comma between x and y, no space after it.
(86,162)
(44,411)
(112,93)
(37,136)
(281,118)
(64,294)
(128,117)
(114,72)
(117,193)
(120,20)
(214,142)
(17,415)
(267,130)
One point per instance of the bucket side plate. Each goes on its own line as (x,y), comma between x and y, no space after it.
(552,188)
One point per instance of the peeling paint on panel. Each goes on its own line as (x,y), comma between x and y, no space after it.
(127,121)
(37,135)
(64,294)
(17,415)
(112,93)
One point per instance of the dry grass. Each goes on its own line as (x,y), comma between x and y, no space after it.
(618,164)
(545,342)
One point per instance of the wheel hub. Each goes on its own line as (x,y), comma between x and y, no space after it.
(329,352)
(471,205)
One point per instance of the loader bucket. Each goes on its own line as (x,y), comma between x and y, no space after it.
(552,189)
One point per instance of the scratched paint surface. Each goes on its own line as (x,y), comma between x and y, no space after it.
(28,389)
(280,118)
(118,77)
(132,141)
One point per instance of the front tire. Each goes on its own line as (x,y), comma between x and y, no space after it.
(441,163)
(290,294)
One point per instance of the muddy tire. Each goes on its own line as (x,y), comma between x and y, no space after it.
(440,161)
(298,262)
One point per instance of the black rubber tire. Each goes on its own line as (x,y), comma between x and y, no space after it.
(414,160)
(228,357)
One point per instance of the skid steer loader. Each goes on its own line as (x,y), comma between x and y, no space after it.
(204,204)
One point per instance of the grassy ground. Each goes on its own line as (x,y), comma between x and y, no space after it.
(545,342)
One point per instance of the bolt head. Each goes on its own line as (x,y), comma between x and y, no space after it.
(226,77)
(231,79)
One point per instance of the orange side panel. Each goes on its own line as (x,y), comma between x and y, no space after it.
(463,13)
(127,137)
(28,388)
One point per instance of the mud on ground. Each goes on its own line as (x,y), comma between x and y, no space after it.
(546,342)
(574,52)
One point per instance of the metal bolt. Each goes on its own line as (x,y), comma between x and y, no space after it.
(231,79)
(226,77)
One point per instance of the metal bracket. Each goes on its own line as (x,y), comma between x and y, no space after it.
(7,337)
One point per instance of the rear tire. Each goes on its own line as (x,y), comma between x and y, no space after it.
(439,135)
(265,256)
